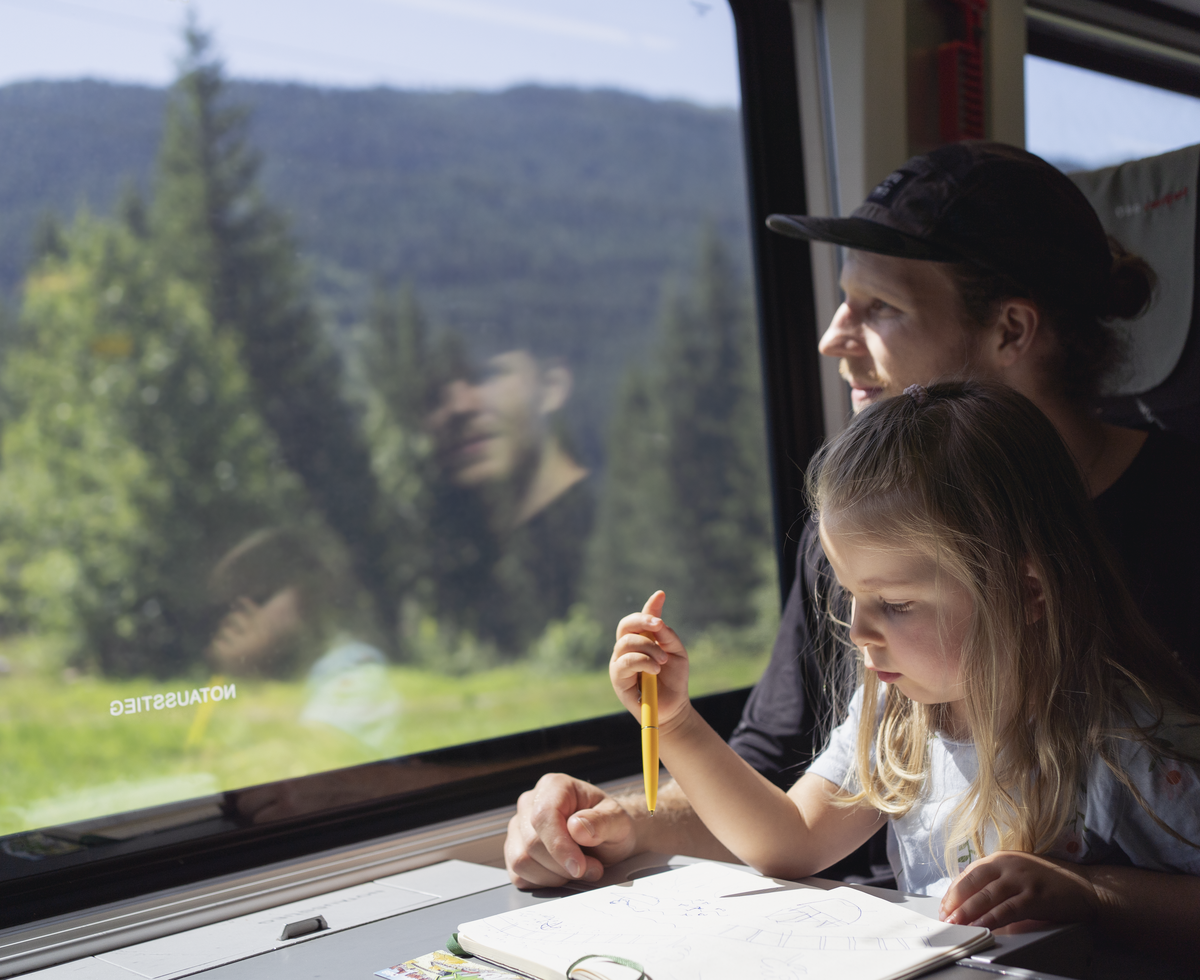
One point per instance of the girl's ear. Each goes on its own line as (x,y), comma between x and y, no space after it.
(1035,595)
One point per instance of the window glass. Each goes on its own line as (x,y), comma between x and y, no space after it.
(1082,120)
(360,365)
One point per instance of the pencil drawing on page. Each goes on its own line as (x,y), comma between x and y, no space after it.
(711,922)
(814,921)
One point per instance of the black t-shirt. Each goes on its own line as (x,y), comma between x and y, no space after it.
(1148,516)
(505,587)
(1151,518)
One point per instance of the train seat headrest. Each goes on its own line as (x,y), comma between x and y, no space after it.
(1149,206)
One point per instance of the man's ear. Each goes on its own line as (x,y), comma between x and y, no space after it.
(556,387)
(1012,333)
(1034,594)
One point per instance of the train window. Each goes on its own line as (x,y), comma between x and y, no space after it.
(1081,119)
(357,374)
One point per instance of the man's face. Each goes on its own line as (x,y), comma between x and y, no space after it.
(902,323)
(484,429)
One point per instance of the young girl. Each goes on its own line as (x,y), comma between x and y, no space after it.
(1032,747)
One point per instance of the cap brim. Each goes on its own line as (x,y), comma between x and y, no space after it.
(868,236)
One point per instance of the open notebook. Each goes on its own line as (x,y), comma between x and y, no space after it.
(712,922)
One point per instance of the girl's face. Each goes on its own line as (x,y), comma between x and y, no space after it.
(909,622)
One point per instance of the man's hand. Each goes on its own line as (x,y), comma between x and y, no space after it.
(1011,886)
(554,822)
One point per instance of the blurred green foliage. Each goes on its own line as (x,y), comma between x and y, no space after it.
(131,452)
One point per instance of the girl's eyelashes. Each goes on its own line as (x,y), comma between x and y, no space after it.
(889,608)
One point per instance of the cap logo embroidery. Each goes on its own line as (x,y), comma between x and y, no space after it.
(889,187)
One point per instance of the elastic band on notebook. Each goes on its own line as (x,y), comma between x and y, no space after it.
(619,960)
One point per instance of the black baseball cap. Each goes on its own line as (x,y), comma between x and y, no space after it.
(990,204)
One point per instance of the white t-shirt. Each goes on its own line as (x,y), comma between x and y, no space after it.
(1111,827)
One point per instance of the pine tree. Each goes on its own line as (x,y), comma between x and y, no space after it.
(394,354)
(715,463)
(132,211)
(215,229)
(444,550)
(48,238)
(685,505)
(629,556)
(131,457)
(393,363)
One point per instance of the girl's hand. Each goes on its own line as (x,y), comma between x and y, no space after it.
(635,653)
(1011,886)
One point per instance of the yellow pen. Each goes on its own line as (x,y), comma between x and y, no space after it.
(649,689)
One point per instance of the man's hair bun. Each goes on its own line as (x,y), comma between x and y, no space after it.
(1131,283)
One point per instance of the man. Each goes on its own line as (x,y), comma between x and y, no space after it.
(512,513)
(515,508)
(974,260)
(495,433)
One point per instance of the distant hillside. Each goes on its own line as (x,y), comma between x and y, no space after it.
(533,213)
(478,198)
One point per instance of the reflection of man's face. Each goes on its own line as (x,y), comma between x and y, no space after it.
(486,429)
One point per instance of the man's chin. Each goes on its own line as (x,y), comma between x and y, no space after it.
(478,474)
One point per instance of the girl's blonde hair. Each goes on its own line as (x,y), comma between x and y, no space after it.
(974,475)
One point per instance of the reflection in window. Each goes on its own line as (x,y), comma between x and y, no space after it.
(343,424)
(1082,120)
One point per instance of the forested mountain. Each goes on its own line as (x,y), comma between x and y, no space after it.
(405,184)
(242,309)
(510,213)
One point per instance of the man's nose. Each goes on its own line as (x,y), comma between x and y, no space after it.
(460,398)
(844,337)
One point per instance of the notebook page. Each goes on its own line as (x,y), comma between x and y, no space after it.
(709,922)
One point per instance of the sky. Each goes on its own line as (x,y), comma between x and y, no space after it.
(661,48)
(1094,120)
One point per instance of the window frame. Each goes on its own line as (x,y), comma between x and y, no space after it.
(1138,40)
(1078,32)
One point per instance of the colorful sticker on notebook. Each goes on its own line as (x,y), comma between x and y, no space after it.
(441,965)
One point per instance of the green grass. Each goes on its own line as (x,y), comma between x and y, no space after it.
(64,757)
